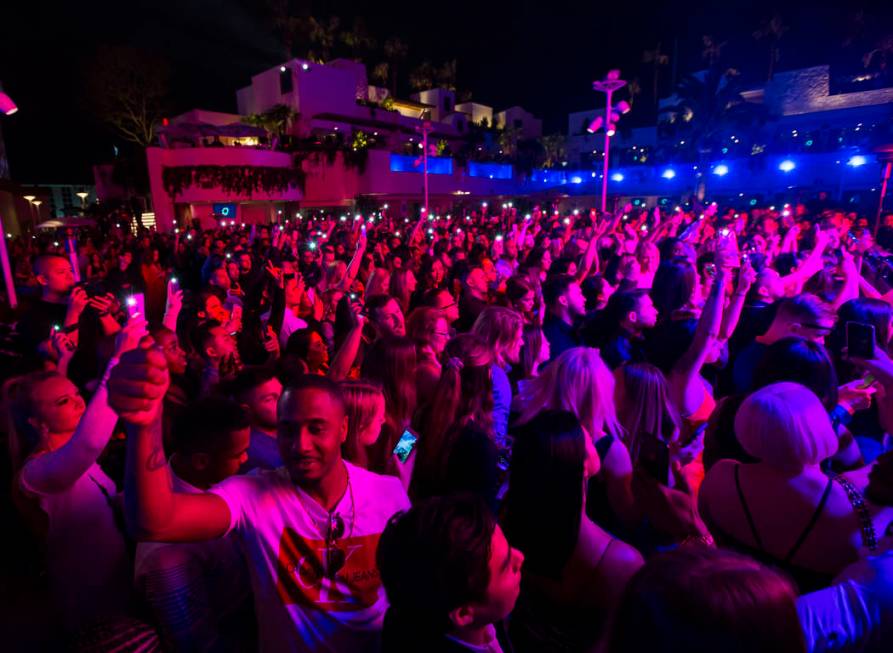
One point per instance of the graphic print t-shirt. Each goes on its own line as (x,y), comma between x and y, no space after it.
(300,605)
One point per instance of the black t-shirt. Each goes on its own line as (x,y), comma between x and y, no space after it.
(36,322)
(469,309)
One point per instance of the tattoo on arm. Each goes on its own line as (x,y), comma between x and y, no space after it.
(156,460)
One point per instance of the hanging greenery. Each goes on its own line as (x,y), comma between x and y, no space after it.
(237,180)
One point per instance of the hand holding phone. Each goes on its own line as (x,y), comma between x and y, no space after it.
(136,306)
(405,445)
(860,340)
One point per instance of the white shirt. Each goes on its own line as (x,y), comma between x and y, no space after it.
(88,566)
(856,612)
(283,535)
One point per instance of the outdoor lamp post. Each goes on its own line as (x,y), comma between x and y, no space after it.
(7,108)
(609,85)
(424,130)
(83,197)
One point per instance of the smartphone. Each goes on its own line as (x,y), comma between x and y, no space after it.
(136,305)
(405,445)
(866,382)
(175,283)
(859,340)
(654,459)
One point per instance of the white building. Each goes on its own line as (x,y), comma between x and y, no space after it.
(518,118)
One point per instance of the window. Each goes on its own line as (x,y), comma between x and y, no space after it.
(460,125)
(447,104)
(518,123)
(285,81)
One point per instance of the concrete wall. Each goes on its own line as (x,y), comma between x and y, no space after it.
(216,118)
(531,126)
(808,90)
(163,204)
(442,101)
(477,112)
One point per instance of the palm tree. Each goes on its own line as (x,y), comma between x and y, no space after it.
(380,73)
(276,121)
(290,28)
(446,75)
(395,51)
(771,30)
(708,107)
(554,150)
(712,50)
(657,59)
(881,56)
(508,141)
(422,76)
(634,88)
(323,36)
(358,39)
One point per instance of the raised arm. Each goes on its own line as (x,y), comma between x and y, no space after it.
(172,307)
(354,267)
(152,508)
(746,277)
(344,358)
(684,378)
(810,266)
(56,471)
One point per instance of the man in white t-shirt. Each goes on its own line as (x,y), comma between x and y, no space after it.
(309,529)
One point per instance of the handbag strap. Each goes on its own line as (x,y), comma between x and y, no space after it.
(866,524)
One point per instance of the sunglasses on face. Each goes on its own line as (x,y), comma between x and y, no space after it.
(335,557)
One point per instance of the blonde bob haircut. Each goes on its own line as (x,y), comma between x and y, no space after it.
(579,382)
(786,426)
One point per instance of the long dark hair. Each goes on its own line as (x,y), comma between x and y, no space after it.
(391,362)
(544,504)
(801,361)
(674,283)
(700,600)
(463,397)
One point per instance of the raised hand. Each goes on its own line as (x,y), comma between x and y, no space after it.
(130,335)
(77,302)
(138,383)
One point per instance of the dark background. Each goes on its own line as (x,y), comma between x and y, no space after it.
(540,55)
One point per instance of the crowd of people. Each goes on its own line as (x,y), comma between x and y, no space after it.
(661,429)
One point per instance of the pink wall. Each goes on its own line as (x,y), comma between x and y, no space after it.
(163,204)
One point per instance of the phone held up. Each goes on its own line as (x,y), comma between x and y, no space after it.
(405,445)
(860,340)
(136,305)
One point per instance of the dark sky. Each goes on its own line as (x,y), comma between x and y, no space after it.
(541,55)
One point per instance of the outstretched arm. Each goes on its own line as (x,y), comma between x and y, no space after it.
(56,471)
(153,510)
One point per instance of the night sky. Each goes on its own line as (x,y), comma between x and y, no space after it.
(541,55)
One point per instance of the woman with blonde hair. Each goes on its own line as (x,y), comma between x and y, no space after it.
(365,417)
(579,382)
(456,450)
(502,330)
(784,510)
